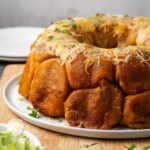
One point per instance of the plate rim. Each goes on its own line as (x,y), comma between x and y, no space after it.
(54,127)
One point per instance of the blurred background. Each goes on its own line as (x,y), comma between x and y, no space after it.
(42,12)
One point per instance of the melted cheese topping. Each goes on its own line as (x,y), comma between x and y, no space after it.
(62,38)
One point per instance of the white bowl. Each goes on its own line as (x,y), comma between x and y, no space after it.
(32,137)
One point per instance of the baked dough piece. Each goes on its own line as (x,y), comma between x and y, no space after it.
(27,76)
(82,76)
(134,75)
(136,113)
(98,108)
(50,88)
(33,61)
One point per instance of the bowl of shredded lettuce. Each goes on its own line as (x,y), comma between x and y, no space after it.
(14,137)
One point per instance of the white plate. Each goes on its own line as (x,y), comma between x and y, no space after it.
(32,137)
(13,59)
(11,95)
(15,42)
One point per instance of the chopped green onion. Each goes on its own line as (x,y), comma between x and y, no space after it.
(57,30)
(73,45)
(74,26)
(66,25)
(147,54)
(70,18)
(146,147)
(34,113)
(97,14)
(19,80)
(20,98)
(62,31)
(131,147)
(88,145)
(61,119)
(51,37)
(126,15)
(66,31)
(93,144)
(100,15)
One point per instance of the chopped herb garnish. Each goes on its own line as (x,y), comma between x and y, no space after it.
(99,15)
(66,31)
(50,37)
(61,119)
(64,45)
(131,147)
(57,30)
(34,113)
(19,80)
(126,15)
(147,54)
(66,25)
(74,26)
(146,147)
(62,31)
(20,98)
(73,45)
(93,144)
(88,145)
(70,18)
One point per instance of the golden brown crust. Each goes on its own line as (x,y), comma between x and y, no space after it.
(136,113)
(82,76)
(77,74)
(94,108)
(50,88)
(101,69)
(133,76)
(27,76)
(33,61)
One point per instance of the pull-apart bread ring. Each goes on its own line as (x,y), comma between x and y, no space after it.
(94,71)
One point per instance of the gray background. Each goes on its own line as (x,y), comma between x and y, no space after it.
(42,12)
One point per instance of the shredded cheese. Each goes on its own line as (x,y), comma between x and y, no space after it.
(67,47)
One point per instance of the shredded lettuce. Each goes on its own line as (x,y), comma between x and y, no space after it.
(13,138)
